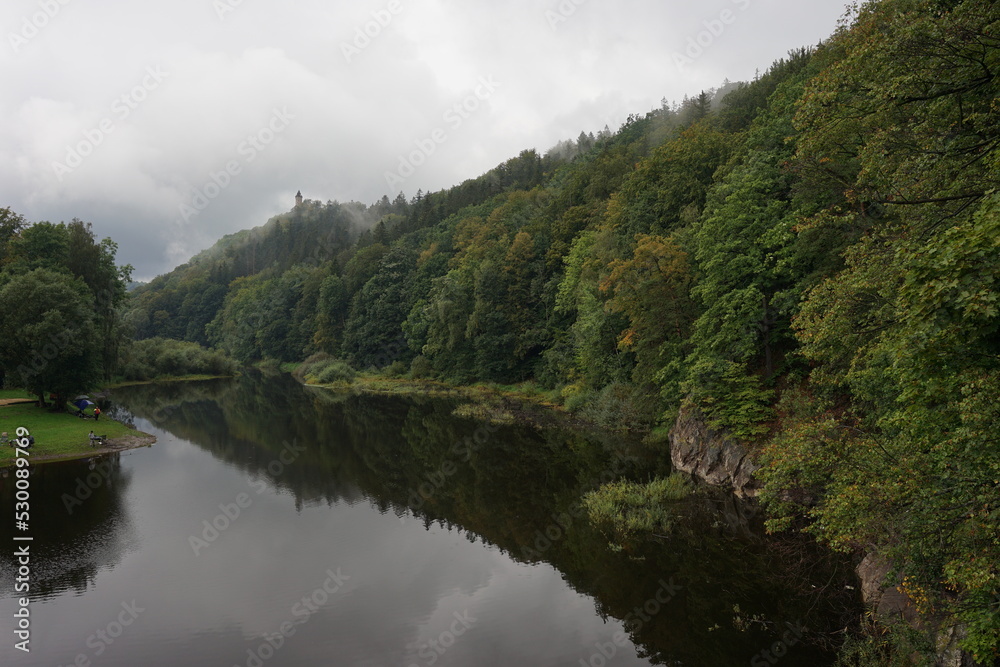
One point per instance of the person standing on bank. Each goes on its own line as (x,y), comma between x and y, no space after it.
(97,414)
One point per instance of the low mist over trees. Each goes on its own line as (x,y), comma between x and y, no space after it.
(809,260)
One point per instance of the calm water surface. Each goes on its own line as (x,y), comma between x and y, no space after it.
(275,525)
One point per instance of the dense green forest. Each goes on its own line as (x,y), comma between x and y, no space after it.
(62,300)
(811,260)
(63,305)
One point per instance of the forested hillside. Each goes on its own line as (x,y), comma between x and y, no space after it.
(811,261)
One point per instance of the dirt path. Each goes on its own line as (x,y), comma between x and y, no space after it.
(15,401)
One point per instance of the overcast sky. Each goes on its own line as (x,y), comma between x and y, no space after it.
(170,124)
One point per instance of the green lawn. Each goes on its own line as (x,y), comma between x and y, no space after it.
(14,393)
(56,434)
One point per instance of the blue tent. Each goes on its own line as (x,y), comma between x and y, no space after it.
(82,404)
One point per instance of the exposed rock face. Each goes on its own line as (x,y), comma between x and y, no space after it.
(720,460)
(889,601)
(712,456)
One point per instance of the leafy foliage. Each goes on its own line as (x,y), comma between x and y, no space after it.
(893,448)
(626,508)
(160,357)
(62,306)
(49,342)
(323,369)
(810,258)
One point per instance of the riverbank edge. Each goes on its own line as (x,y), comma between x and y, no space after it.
(114,446)
(497,405)
(164,380)
(117,445)
(713,457)
(135,440)
(718,459)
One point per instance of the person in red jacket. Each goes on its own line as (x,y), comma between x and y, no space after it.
(97,414)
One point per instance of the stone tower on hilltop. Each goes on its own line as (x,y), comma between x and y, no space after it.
(298,198)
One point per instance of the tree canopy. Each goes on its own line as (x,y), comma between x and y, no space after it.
(809,260)
(62,299)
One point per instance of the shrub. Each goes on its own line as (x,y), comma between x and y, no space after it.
(895,645)
(308,365)
(331,371)
(574,396)
(618,406)
(421,368)
(270,366)
(396,369)
(626,508)
(158,357)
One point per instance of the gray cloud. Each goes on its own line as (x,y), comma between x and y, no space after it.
(163,97)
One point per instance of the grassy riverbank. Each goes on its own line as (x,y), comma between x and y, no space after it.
(526,402)
(166,378)
(500,404)
(618,407)
(60,436)
(526,392)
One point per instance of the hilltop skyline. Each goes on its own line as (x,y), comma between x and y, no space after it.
(170,134)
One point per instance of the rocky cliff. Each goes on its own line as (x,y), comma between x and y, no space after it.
(885,596)
(720,460)
(710,455)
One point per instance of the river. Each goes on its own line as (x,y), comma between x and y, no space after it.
(279,525)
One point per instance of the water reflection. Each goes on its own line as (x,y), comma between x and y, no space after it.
(80,528)
(730,592)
